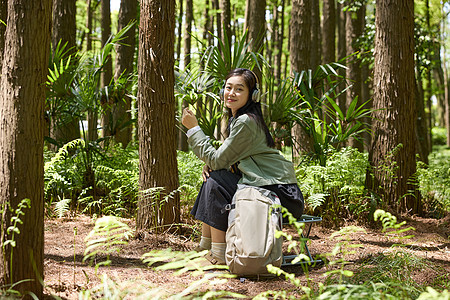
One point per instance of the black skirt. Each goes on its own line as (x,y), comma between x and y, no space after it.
(218,191)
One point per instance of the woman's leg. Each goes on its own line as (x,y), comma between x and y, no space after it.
(218,245)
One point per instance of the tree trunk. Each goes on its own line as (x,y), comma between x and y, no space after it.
(22,96)
(225,8)
(64,31)
(92,115)
(182,139)
(107,125)
(328,32)
(392,154)
(300,52)
(3,17)
(180,32)
(315,35)
(156,106)
(255,23)
(125,66)
(353,30)
(341,51)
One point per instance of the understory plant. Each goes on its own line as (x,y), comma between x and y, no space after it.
(335,190)
(434,182)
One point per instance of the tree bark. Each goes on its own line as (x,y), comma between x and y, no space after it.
(341,50)
(182,139)
(125,66)
(316,51)
(392,154)
(300,52)
(353,30)
(92,115)
(22,96)
(328,32)
(107,125)
(3,17)
(156,106)
(64,31)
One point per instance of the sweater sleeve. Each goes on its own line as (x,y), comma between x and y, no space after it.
(238,145)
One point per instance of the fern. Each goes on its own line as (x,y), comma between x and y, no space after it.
(316,200)
(62,207)
(108,233)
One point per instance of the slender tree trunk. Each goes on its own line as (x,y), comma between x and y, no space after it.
(225,8)
(92,115)
(22,96)
(218,19)
(341,51)
(392,154)
(276,41)
(300,52)
(328,31)
(353,29)
(64,31)
(125,67)
(108,127)
(315,35)
(182,139)
(180,32)
(3,17)
(156,106)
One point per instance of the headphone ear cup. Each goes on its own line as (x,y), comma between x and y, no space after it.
(256,95)
(221,94)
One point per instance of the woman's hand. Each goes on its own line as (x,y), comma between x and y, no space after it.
(205,172)
(188,119)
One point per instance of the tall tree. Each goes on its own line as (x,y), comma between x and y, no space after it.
(3,16)
(392,154)
(92,115)
(105,79)
(22,96)
(156,117)
(315,35)
(255,24)
(341,48)
(182,139)
(300,55)
(64,127)
(328,31)
(125,67)
(225,8)
(353,29)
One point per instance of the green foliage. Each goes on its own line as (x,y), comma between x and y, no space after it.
(434,182)
(336,189)
(189,174)
(96,180)
(439,136)
(108,233)
(390,222)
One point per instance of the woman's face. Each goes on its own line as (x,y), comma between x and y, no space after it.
(235,93)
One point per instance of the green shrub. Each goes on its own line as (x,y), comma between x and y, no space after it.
(434,182)
(337,188)
(439,136)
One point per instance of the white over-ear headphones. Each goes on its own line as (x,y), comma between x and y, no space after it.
(256,95)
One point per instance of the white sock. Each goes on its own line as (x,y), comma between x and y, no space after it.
(205,242)
(218,251)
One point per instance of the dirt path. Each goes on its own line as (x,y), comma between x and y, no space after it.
(66,274)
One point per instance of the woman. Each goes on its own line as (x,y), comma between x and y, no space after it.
(247,156)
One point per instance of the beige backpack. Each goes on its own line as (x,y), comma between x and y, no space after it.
(250,237)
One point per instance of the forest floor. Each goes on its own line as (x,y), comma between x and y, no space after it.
(66,274)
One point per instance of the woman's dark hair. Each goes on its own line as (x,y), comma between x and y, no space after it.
(251,108)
